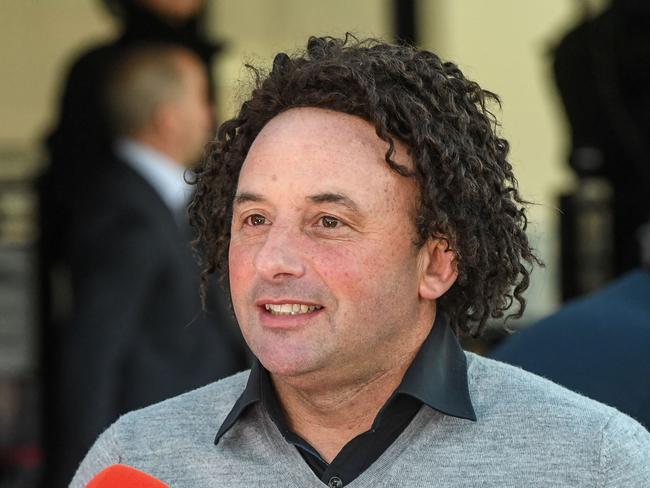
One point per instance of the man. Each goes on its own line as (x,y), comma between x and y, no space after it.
(82,139)
(82,129)
(597,345)
(136,334)
(364,211)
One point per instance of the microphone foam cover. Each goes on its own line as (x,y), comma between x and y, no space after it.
(123,476)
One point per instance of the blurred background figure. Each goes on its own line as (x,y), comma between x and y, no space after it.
(136,333)
(81,136)
(81,132)
(120,315)
(602,71)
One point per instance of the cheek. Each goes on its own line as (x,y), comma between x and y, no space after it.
(380,276)
(348,272)
(240,270)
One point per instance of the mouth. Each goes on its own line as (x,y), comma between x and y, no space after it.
(291,308)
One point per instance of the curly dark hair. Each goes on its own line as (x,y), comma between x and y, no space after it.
(468,192)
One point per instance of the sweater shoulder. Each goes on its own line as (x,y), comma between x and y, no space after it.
(500,390)
(154,438)
(539,419)
(195,410)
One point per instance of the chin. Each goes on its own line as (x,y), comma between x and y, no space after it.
(284,367)
(285,353)
(284,362)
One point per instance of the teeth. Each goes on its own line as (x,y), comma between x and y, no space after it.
(291,308)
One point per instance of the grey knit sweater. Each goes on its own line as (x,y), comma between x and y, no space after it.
(529,433)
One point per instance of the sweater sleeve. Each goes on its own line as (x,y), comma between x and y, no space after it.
(625,453)
(104,453)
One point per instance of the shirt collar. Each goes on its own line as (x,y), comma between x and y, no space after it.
(251,394)
(437,377)
(165,175)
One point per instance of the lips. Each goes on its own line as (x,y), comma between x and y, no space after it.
(287,312)
(291,308)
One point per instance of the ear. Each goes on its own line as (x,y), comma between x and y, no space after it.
(438,268)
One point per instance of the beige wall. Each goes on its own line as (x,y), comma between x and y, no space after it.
(254,30)
(37,40)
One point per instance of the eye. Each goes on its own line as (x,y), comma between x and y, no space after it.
(255,220)
(330,222)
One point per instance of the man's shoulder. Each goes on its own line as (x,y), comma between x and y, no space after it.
(530,431)
(111,173)
(166,438)
(501,390)
(538,418)
(202,409)
(116,198)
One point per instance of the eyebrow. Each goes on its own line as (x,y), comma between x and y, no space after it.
(328,197)
(337,198)
(247,197)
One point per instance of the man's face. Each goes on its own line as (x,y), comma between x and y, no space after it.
(323,270)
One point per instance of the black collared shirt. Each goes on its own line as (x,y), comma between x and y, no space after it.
(437,378)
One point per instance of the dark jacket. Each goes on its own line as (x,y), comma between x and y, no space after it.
(137,333)
(602,71)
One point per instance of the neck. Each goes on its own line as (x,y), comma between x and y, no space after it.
(162,145)
(330,413)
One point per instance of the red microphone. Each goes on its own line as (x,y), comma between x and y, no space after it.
(123,476)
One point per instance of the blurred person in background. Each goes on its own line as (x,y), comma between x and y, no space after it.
(82,130)
(78,144)
(137,334)
(82,137)
(602,71)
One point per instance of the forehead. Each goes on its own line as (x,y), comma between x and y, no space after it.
(306,150)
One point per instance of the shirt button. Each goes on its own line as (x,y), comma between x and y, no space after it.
(335,482)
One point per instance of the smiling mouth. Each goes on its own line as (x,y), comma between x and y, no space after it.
(291,308)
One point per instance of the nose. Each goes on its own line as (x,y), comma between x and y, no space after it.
(280,257)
